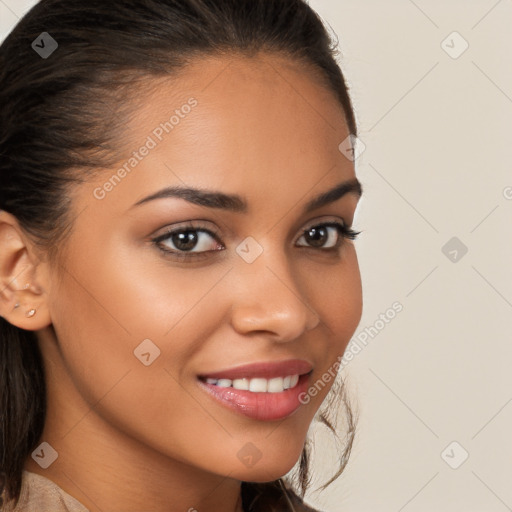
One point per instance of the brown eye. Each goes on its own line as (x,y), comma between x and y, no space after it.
(187,242)
(324,236)
(317,236)
(184,240)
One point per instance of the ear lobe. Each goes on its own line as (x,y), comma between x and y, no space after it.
(22,298)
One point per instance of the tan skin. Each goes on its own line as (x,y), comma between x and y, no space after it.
(132,437)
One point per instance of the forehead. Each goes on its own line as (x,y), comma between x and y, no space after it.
(244,99)
(264,124)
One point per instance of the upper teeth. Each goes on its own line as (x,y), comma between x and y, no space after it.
(258,385)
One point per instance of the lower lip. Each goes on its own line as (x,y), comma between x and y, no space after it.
(260,406)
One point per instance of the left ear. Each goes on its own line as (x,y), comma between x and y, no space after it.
(23,283)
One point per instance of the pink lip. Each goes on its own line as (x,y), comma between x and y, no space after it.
(261,406)
(266,370)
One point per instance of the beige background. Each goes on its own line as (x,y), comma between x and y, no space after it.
(437,165)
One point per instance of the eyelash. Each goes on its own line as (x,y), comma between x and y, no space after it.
(343,231)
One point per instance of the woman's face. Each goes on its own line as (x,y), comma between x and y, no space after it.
(144,311)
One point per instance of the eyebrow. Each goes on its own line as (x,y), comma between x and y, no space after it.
(237,204)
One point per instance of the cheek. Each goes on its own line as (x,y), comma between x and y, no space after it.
(113,314)
(339,304)
(100,319)
(117,297)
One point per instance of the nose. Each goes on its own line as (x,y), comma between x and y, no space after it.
(269,298)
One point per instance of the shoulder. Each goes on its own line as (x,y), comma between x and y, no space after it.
(39,493)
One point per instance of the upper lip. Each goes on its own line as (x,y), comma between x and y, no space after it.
(265,369)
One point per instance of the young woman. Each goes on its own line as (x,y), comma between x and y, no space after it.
(178,280)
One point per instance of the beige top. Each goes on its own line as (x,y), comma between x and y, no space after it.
(41,494)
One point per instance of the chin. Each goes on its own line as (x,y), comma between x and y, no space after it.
(270,468)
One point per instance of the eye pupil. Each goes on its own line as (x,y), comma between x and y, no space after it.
(185,240)
(317,236)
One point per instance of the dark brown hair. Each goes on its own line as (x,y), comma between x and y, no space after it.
(61,118)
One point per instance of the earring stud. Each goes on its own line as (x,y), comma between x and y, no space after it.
(30,313)
(17,305)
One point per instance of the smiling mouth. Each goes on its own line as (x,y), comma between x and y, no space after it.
(257,384)
(260,391)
